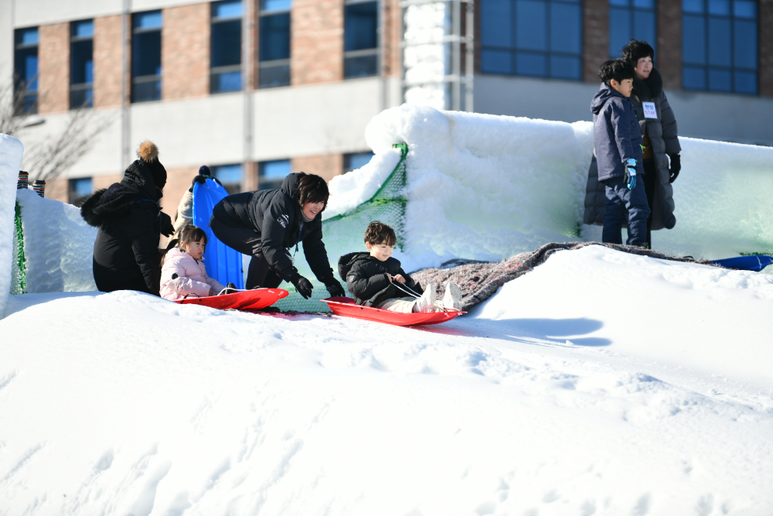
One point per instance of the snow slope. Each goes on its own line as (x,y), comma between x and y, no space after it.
(600,383)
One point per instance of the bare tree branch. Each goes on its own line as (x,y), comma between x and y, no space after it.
(53,157)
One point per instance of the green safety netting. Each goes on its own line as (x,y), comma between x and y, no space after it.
(18,280)
(344,234)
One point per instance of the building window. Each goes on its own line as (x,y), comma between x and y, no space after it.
(146,56)
(272,173)
(356,160)
(79,189)
(537,38)
(274,43)
(630,19)
(230,176)
(81,64)
(360,39)
(226,61)
(25,69)
(719,45)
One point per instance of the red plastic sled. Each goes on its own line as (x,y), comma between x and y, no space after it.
(345,306)
(247,300)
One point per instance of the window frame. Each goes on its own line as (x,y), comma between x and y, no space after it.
(30,90)
(140,80)
(232,187)
(515,53)
(216,72)
(87,88)
(272,184)
(706,68)
(370,55)
(274,73)
(634,12)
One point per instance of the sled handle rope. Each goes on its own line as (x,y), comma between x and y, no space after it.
(405,289)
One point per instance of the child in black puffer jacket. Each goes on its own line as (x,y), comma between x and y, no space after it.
(376,279)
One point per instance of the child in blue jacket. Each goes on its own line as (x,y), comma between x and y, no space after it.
(617,139)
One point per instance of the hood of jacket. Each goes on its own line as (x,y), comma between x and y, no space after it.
(649,88)
(289,187)
(605,93)
(346,262)
(139,178)
(105,206)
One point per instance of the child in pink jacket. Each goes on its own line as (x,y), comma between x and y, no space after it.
(183,274)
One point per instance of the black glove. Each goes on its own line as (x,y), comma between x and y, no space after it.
(200,179)
(302,285)
(165,224)
(676,166)
(335,288)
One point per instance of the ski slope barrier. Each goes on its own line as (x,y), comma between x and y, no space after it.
(476,186)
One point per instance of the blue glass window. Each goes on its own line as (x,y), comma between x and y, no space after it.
(274,44)
(79,189)
(146,56)
(81,64)
(226,46)
(25,69)
(719,45)
(631,19)
(360,39)
(356,160)
(230,176)
(538,38)
(272,173)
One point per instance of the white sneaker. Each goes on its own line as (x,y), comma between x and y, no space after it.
(452,299)
(426,303)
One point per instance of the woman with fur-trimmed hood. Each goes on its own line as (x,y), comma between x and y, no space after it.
(130,222)
(660,139)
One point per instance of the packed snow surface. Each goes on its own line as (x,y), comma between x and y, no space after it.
(599,383)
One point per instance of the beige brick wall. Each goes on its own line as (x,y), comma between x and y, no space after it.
(766,48)
(392,37)
(595,44)
(54,66)
(178,180)
(668,59)
(317,41)
(185,49)
(107,61)
(327,166)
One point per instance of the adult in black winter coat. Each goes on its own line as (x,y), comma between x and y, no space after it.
(368,278)
(266,224)
(660,139)
(130,222)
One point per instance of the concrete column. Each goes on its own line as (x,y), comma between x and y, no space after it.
(595,38)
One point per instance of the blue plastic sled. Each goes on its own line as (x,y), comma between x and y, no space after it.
(222,262)
(755,262)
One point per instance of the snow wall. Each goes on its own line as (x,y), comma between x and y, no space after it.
(11,151)
(477,186)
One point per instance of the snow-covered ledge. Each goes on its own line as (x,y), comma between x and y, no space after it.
(11,151)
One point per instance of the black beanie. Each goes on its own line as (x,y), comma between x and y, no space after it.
(204,171)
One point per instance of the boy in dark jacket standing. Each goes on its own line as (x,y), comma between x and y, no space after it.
(617,139)
(376,279)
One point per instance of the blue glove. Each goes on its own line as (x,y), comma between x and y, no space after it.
(630,173)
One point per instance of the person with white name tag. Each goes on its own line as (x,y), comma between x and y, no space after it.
(659,135)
